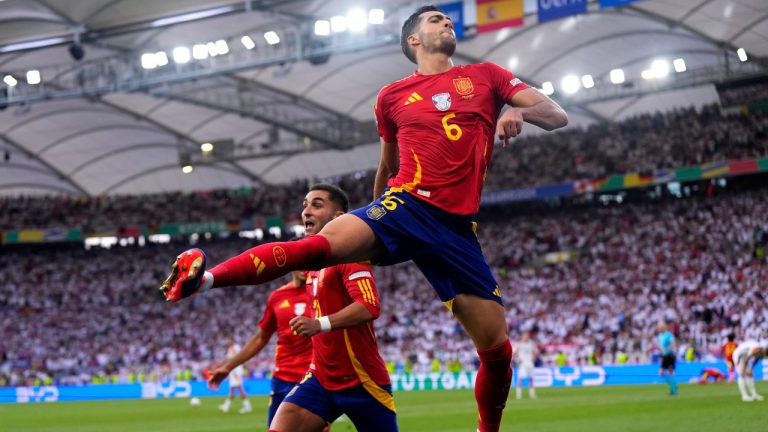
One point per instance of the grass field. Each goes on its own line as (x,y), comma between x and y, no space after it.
(715,408)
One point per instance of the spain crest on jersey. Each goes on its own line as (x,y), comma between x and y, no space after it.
(463,86)
(442,101)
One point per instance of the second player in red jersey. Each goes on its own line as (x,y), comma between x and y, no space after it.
(444,125)
(293,353)
(349,357)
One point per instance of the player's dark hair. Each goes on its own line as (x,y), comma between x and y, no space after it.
(337,196)
(409,27)
(731,337)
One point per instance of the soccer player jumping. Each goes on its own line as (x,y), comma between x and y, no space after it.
(437,130)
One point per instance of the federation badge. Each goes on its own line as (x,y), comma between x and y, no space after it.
(299,308)
(463,86)
(442,101)
(375,212)
(279,254)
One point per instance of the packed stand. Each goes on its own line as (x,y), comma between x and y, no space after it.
(69,315)
(643,143)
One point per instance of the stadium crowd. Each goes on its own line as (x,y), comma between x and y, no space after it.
(70,315)
(640,144)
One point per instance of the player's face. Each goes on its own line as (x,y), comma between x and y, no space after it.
(318,210)
(436,33)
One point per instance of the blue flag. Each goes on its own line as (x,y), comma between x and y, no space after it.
(555,9)
(455,12)
(612,3)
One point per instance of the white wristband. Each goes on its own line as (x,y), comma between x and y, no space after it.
(325,324)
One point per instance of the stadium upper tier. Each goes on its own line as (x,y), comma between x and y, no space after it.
(618,269)
(641,144)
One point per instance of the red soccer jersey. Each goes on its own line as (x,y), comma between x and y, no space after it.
(444,126)
(293,353)
(345,358)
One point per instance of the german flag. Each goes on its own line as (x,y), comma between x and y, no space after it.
(496,14)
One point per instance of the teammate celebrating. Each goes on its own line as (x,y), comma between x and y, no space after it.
(235,381)
(526,352)
(667,346)
(293,353)
(437,128)
(727,349)
(746,356)
(347,375)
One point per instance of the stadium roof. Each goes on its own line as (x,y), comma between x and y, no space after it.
(90,129)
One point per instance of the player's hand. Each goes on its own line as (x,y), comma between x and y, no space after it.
(510,125)
(305,326)
(215,375)
(187,275)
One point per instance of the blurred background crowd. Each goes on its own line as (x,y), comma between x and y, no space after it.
(589,278)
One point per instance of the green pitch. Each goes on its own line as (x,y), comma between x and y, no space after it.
(715,408)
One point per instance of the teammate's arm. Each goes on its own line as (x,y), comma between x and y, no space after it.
(531,106)
(388,167)
(255,344)
(352,315)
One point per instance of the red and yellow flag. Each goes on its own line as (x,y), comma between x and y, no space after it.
(496,14)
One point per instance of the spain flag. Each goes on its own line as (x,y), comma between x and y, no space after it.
(496,14)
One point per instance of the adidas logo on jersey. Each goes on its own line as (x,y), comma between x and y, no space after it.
(414,97)
(284,304)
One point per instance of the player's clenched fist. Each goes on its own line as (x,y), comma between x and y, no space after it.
(187,276)
(305,326)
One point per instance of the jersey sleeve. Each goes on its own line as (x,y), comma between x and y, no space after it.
(505,83)
(358,280)
(384,124)
(268,323)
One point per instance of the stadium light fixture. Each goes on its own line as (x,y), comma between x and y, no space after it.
(199,52)
(647,74)
(186,169)
(617,76)
(192,16)
(322,28)
(570,84)
(660,68)
(679,65)
(547,88)
(742,53)
(206,147)
(161,58)
(247,42)
(357,20)
(148,61)
(213,51)
(33,77)
(222,47)
(338,24)
(376,16)
(10,81)
(32,44)
(587,81)
(272,38)
(181,55)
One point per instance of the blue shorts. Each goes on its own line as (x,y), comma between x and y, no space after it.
(365,412)
(278,392)
(443,245)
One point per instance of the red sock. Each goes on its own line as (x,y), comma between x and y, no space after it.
(492,385)
(272,260)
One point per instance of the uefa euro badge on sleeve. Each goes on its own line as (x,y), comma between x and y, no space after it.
(186,276)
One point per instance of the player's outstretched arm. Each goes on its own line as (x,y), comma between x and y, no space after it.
(255,344)
(352,315)
(530,106)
